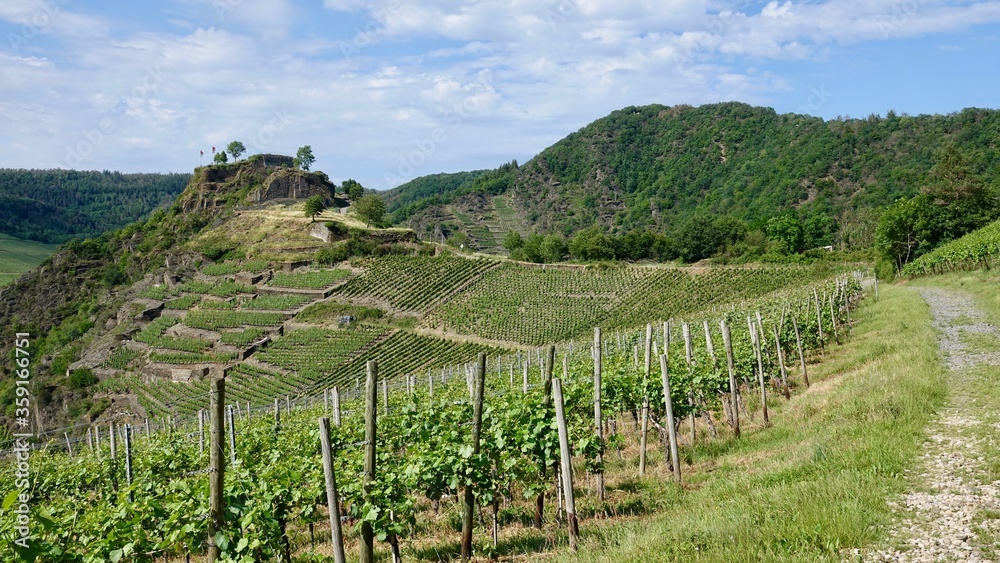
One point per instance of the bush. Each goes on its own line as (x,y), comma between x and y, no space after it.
(80,378)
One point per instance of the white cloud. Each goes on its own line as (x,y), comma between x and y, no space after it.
(459,84)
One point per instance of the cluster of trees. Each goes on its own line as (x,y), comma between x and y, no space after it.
(702,236)
(956,200)
(304,157)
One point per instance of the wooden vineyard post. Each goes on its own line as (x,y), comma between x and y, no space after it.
(90,439)
(128,461)
(371,408)
(232,435)
(727,341)
(781,363)
(708,342)
(644,427)
(201,431)
(598,421)
(649,349)
(113,441)
(326,400)
(69,446)
(566,464)
(335,400)
(755,341)
(524,379)
(477,421)
(875,279)
(147,429)
(833,321)
(217,466)
(668,403)
(689,357)
(332,499)
(819,321)
(288,405)
(277,415)
(802,356)
(546,400)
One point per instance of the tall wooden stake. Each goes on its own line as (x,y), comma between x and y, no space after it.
(477,422)
(781,363)
(217,465)
(668,403)
(598,421)
(332,499)
(335,400)
(802,356)
(727,341)
(547,400)
(566,464)
(371,408)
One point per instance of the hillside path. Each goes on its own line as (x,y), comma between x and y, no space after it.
(946,515)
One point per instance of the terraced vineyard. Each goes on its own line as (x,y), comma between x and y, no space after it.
(535,306)
(403,353)
(316,279)
(315,350)
(414,283)
(978,249)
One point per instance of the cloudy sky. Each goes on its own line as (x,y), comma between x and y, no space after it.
(389,90)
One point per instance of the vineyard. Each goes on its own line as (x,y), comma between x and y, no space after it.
(414,283)
(529,437)
(536,306)
(218,324)
(976,250)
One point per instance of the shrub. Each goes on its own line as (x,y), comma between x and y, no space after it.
(80,378)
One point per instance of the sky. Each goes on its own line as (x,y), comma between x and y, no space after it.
(387,91)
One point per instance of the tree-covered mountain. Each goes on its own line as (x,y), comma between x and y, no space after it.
(55,206)
(657,168)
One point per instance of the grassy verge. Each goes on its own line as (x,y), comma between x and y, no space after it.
(816,482)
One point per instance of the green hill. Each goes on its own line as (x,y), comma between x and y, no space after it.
(656,167)
(55,206)
(18,256)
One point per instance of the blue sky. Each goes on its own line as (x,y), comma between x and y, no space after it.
(390,90)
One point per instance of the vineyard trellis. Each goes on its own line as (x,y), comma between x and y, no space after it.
(423,451)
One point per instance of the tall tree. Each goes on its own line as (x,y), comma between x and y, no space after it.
(236,148)
(353,189)
(371,209)
(220,158)
(304,157)
(314,206)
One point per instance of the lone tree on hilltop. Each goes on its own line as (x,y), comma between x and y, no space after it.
(304,157)
(314,206)
(353,189)
(236,148)
(371,209)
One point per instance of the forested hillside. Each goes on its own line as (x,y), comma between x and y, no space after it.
(54,206)
(658,168)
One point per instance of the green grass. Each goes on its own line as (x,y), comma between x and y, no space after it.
(18,256)
(816,482)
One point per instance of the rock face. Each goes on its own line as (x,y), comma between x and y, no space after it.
(253,181)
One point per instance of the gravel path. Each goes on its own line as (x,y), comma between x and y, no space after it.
(939,519)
